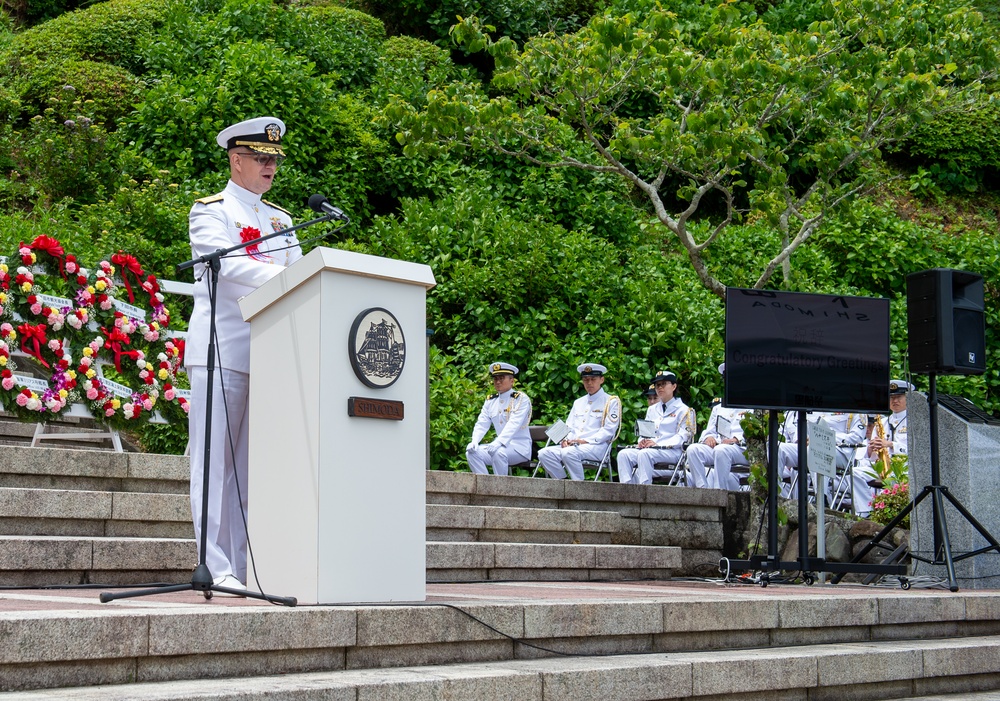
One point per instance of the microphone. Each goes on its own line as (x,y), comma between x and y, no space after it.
(319,203)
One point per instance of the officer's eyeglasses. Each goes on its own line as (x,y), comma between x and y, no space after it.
(263,160)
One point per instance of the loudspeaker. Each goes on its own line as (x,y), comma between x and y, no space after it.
(945,322)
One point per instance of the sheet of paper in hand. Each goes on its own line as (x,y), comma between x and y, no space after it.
(724,428)
(645,429)
(557,431)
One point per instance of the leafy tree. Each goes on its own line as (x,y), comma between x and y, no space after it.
(720,121)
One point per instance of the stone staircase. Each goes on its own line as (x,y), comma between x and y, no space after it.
(533,595)
(528,641)
(82,516)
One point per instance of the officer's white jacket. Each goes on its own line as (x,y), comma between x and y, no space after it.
(595,418)
(733,416)
(895,430)
(509,414)
(674,422)
(217,222)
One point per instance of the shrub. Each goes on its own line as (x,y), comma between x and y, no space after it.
(340,41)
(964,145)
(889,503)
(108,31)
(546,299)
(109,91)
(65,154)
(176,124)
(409,67)
(455,401)
(518,19)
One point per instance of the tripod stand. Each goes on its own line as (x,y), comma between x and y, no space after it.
(938,493)
(201,578)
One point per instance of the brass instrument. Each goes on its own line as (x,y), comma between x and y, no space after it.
(883,454)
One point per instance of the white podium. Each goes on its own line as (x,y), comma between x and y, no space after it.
(338,429)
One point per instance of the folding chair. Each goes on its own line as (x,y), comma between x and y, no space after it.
(537,433)
(843,488)
(675,474)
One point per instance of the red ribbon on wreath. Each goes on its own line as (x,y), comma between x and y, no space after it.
(179,344)
(47,244)
(115,339)
(128,265)
(33,341)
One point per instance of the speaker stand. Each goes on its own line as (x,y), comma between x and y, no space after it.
(938,494)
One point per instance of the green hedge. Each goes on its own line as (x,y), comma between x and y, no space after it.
(108,31)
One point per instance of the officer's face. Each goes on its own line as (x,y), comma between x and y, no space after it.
(502,383)
(897,402)
(592,384)
(252,171)
(665,390)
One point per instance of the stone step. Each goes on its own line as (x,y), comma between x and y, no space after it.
(80,512)
(905,669)
(52,560)
(55,560)
(500,524)
(93,470)
(466,562)
(88,434)
(182,636)
(652,515)
(76,512)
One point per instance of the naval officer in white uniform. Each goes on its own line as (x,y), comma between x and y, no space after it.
(893,441)
(235,215)
(508,413)
(722,445)
(674,423)
(593,423)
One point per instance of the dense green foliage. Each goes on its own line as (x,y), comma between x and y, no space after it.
(110,114)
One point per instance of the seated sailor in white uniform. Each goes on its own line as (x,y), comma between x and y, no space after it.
(722,445)
(593,424)
(673,427)
(888,438)
(850,430)
(508,413)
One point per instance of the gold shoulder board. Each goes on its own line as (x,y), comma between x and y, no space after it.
(210,199)
(280,209)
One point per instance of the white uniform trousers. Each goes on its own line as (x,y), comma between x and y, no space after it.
(226,543)
(479,457)
(557,461)
(863,494)
(723,456)
(635,466)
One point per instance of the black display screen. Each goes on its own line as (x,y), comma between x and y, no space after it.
(803,351)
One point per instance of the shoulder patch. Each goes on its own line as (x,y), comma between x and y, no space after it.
(210,199)
(493,396)
(515,394)
(274,206)
(716,400)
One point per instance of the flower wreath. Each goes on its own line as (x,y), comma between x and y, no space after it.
(79,338)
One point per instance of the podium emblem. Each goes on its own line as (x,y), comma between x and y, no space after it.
(377,347)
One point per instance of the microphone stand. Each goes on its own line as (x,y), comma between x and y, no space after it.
(201,579)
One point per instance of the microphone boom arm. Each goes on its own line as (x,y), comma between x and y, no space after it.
(222,252)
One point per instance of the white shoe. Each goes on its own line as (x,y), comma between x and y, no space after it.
(229,582)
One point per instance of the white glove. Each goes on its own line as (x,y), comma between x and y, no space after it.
(492,447)
(469,448)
